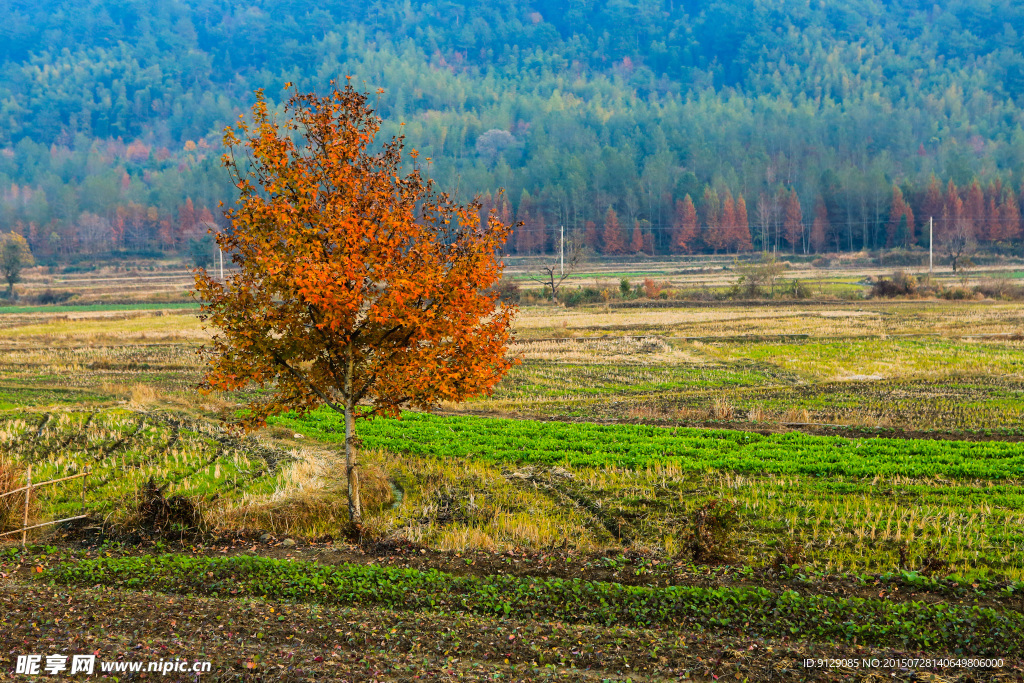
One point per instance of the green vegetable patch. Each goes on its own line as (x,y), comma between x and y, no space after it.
(935,627)
(696,450)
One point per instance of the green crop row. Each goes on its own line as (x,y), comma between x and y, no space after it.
(695,450)
(961,630)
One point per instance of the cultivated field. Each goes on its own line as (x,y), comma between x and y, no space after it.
(661,489)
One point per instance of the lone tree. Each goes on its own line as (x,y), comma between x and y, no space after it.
(958,242)
(552,274)
(358,286)
(15,256)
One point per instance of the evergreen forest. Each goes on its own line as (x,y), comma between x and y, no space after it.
(641,126)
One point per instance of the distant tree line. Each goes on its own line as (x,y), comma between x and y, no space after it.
(642,126)
(988,216)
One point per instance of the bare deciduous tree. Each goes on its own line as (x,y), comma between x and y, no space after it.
(553,274)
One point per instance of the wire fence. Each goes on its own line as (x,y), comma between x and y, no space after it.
(29,486)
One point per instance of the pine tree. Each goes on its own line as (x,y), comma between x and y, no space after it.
(186,222)
(711,213)
(728,222)
(538,233)
(613,243)
(524,219)
(952,210)
(486,204)
(820,227)
(684,227)
(1009,216)
(636,245)
(900,228)
(521,234)
(590,238)
(974,210)
(793,228)
(993,225)
(649,243)
(505,218)
(741,232)
(931,207)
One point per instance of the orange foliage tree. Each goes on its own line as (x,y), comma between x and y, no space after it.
(358,286)
(684,227)
(613,242)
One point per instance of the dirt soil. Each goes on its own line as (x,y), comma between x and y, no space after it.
(256,640)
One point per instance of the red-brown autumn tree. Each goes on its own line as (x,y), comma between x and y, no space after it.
(358,286)
(793,228)
(727,220)
(613,242)
(684,227)
(900,228)
(974,210)
(711,210)
(636,244)
(740,239)
(1009,216)
(931,207)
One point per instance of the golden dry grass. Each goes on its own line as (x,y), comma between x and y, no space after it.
(123,327)
(142,395)
(313,499)
(868,318)
(462,505)
(12,507)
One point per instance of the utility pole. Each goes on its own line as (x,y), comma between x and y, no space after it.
(561,250)
(220,254)
(929,246)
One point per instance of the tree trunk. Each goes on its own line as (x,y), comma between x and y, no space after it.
(355,508)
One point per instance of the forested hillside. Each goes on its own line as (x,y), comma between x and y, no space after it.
(643,125)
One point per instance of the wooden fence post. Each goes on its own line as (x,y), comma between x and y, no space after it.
(28,494)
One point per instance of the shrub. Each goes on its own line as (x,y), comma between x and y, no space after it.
(956,293)
(1001,290)
(901,284)
(798,290)
(579,296)
(49,296)
(711,531)
(156,513)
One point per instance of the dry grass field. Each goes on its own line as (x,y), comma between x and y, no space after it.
(863,452)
